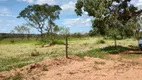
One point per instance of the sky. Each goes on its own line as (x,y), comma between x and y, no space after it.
(10,9)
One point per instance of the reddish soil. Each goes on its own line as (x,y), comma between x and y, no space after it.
(76,68)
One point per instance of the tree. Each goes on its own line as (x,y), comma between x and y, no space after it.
(12,32)
(53,14)
(38,15)
(21,30)
(109,15)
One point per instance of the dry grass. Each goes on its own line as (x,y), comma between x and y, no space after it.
(19,55)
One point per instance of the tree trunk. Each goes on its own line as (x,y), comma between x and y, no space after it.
(28,36)
(122,37)
(67,47)
(51,34)
(41,36)
(22,36)
(115,44)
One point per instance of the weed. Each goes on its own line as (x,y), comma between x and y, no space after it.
(101,62)
(113,49)
(18,76)
(100,41)
(44,68)
(12,41)
(60,42)
(93,53)
(29,70)
(85,44)
(35,53)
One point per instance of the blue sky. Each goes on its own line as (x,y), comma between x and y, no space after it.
(9,10)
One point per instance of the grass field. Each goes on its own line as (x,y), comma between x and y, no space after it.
(21,53)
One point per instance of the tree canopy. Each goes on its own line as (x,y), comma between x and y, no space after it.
(38,15)
(108,14)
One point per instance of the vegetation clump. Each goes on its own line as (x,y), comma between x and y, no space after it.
(100,41)
(35,53)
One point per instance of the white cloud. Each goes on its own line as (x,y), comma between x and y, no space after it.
(80,22)
(50,2)
(137,3)
(4,10)
(68,6)
(7,21)
(28,1)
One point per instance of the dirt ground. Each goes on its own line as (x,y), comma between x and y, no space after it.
(76,68)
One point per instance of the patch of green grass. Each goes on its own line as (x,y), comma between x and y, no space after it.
(16,41)
(7,64)
(114,50)
(97,53)
(60,42)
(102,52)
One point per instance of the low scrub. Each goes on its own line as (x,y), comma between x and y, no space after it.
(93,53)
(35,53)
(60,42)
(114,50)
(100,41)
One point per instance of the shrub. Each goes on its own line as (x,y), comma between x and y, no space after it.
(97,53)
(100,41)
(35,53)
(12,41)
(60,42)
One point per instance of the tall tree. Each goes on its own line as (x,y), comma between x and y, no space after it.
(53,14)
(38,15)
(108,14)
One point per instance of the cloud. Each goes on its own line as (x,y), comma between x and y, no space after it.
(6,25)
(68,6)
(7,21)
(4,10)
(137,3)
(28,1)
(78,22)
(50,2)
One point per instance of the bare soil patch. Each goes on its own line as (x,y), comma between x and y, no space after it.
(76,68)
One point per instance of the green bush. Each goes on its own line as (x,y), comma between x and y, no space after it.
(35,53)
(113,49)
(60,42)
(97,53)
(100,41)
(12,41)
